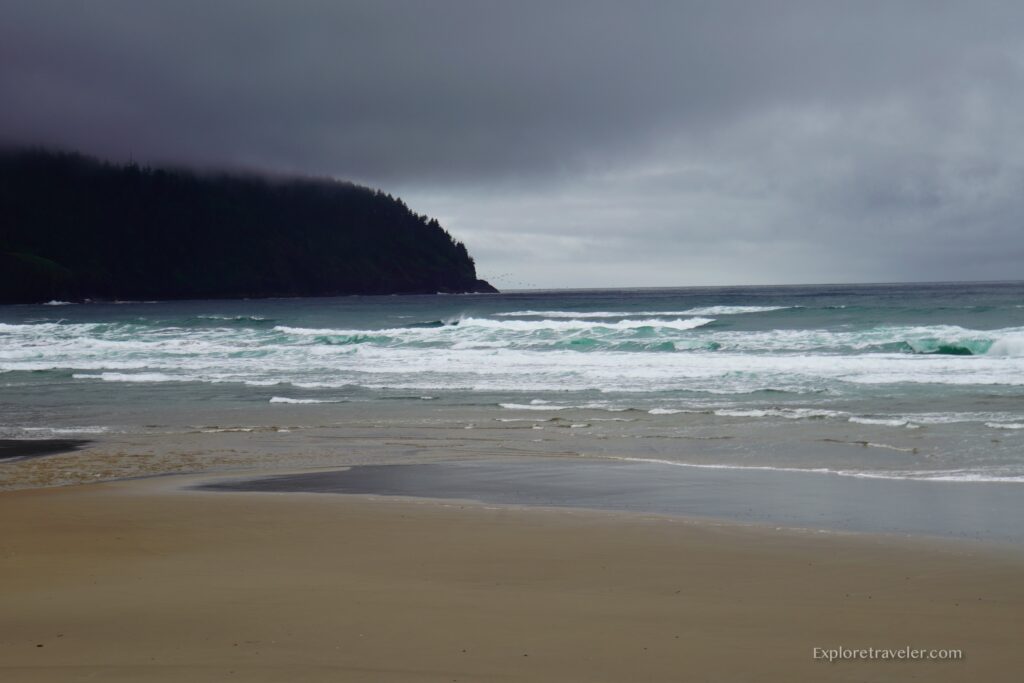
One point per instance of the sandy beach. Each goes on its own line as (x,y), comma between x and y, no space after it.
(462,342)
(143,581)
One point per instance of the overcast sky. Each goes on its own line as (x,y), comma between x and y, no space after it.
(577,143)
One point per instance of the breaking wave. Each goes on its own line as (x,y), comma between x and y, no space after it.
(639,354)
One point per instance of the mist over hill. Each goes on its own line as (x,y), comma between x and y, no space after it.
(76,228)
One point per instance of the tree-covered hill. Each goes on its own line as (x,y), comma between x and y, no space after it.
(75,228)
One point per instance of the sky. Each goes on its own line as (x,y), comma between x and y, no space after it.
(577,143)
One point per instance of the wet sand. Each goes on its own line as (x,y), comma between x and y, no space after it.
(142,581)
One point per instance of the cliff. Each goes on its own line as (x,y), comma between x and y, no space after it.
(74,228)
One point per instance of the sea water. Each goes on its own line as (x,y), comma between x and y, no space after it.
(920,381)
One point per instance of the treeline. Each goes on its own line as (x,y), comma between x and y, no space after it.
(74,228)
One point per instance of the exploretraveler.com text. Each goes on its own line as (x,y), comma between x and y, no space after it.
(836,654)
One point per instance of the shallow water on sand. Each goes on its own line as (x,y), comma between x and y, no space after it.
(803,500)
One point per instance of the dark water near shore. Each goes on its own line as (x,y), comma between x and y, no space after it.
(870,381)
(21,449)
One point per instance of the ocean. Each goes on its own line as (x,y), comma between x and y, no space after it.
(898,381)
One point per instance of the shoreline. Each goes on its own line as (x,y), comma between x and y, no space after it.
(141,580)
(405,465)
(797,500)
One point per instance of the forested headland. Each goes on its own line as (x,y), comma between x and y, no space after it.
(75,228)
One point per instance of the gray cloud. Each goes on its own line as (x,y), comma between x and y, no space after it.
(577,143)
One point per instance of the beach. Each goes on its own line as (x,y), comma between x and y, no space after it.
(146,581)
(508,342)
(739,484)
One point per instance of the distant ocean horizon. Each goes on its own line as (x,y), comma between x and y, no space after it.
(912,380)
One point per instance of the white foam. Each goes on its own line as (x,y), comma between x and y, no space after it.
(234,318)
(133,377)
(956,418)
(466,326)
(788,413)
(1007,345)
(958,475)
(704,310)
(55,302)
(503,356)
(285,399)
(409,333)
(664,411)
(884,422)
(889,447)
(705,466)
(1005,425)
(938,476)
(586,314)
(573,324)
(522,406)
(66,430)
(735,310)
(598,405)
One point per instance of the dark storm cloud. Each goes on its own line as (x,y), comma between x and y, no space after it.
(657,143)
(389,89)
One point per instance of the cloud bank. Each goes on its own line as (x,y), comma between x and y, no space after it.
(577,143)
